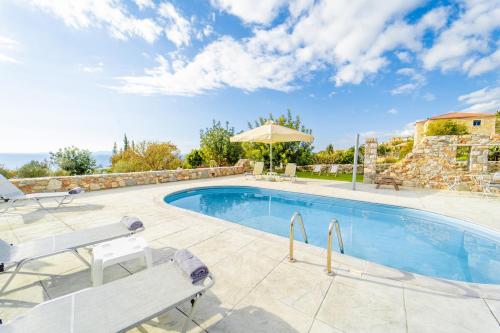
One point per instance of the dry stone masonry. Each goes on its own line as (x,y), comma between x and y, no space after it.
(433,161)
(370,161)
(115,180)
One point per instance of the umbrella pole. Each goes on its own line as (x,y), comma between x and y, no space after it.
(271,157)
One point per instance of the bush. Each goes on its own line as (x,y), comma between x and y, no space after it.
(34,169)
(6,172)
(406,149)
(446,127)
(73,160)
(194,159)
(124,166)
(216,146)
(147,156)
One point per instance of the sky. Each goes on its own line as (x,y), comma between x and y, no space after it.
(84,72)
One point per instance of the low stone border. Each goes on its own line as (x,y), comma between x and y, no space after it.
(114,180)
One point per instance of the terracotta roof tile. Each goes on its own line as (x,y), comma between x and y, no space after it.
(455,115)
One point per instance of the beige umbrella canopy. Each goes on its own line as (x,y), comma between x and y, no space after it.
(271,133)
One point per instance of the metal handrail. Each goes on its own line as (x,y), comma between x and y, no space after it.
(333,223)
(296,216)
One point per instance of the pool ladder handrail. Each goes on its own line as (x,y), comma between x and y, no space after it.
(333,223)
(298,217)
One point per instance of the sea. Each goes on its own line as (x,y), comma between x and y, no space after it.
(16,160)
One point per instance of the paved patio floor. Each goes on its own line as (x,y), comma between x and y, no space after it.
(257,289)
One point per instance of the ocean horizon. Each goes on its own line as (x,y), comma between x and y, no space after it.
(16,160)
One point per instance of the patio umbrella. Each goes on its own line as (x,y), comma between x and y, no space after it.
(271,133)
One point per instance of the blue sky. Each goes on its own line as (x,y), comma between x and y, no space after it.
(83,72)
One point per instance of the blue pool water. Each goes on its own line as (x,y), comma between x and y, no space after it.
(407,239)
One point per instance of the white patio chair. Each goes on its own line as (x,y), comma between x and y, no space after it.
(317,169)
(258,170)
(334,170)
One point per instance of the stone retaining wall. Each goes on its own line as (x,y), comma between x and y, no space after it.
(115,180)
(345,168)
(432,163)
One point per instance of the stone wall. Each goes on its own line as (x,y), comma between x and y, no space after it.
(370,161)
(345,168)
(433,161)
(115,180)
(493,166)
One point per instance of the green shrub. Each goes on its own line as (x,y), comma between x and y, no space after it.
(194,159)
(446,127)
(124,166)
(216,146)
(73,160)
(34,169)
(6,172)
(463,153)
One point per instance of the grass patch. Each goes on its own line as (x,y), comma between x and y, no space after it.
(343,177)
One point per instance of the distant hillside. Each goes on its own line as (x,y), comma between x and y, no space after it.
(16,160)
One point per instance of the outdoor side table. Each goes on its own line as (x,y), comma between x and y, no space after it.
(117,251)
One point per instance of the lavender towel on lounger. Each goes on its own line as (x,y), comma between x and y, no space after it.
(76,190)
(132,222)
(191,265)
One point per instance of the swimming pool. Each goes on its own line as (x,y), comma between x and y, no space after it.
(404,238)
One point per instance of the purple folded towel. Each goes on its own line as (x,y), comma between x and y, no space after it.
(132,223)
(191,265)
(76,190)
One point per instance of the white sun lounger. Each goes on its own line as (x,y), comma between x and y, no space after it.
(258,170)
(290,172)
(17,255)
(11,194)
(116,306)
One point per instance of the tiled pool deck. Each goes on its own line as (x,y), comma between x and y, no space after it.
(257,289)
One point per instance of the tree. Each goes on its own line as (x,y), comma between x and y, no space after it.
(216,146)
(195,158)
(125,142)
(284,152)
(147,156)
(446,127)
(115,149)
(73,160)
(34,169)
(6,172)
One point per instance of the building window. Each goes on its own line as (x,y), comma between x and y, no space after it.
(476,123)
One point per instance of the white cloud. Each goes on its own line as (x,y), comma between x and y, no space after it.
(111,14)
(222,63)
(350,38)
(466,44)
(403,56)
(250,11)
(177,28)
(392,111)
(483,100)
(97,68)
(6,46)
(143,4)
(485,64)
(417,80)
